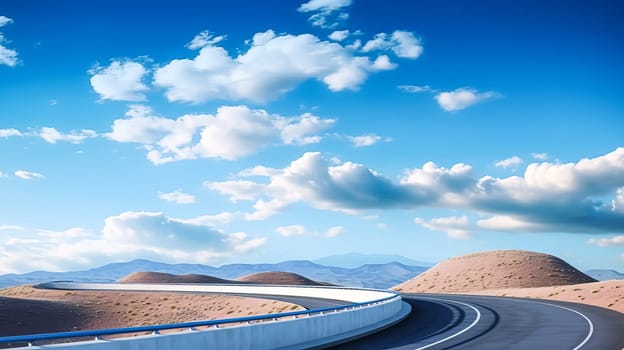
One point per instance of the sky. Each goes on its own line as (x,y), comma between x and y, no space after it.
(264,131)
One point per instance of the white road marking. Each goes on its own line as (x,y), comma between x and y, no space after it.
(458,333)
(591,325)
(589,322)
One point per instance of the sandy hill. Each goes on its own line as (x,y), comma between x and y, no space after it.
(495,270)
(283,278)
(160,277)
(22,309)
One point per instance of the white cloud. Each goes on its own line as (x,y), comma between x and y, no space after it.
(52,135)
(326,13)
(28,175)
(540,156)
(233,132)
(462,98)
(204,38)
(511,162)
(364,140)
(5,133)
(339,35)
(120,81)
(454,226)
(300,230)
(272,66)
(607,242)
(404,44)
(178,197)
(8,57)
(292,230)
(126,236)
(549,197)
(416,88)
(617,204)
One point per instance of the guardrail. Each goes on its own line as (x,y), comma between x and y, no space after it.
(370,310)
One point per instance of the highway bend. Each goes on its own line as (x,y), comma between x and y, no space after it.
(479,322)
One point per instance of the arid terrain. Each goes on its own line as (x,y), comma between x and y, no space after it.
(24,307)
(518,274)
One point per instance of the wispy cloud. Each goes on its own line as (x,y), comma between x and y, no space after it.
(8,57)
(177,197)
(607,242)
(28,175)
(462,98)
(52,135)
(540,156)
(326,13)
(300,230)
(402,43)
(416,88)
(6,133)
(511,162)
(454,226)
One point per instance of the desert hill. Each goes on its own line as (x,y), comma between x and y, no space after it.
(501,269)
(161,277)
(283,278)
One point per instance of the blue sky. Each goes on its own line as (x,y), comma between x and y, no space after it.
(263,131)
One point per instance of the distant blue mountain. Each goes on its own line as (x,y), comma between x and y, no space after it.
(605,275)
(370,275)
(353,260)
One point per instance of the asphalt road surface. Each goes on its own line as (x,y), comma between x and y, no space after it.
(481,322)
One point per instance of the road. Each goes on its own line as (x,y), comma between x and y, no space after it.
(481,322)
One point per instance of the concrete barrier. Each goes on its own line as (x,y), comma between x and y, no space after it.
(370,311)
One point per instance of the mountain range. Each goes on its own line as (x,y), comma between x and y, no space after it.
(383,275)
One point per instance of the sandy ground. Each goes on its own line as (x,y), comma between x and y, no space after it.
(27,310)
(607,294)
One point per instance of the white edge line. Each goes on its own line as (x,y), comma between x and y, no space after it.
(458,333)
(591,325)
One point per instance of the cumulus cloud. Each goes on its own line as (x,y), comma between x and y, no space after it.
(177,197)
(551,197)
(300,230)
(364,140)
(52,135)
(511,162)
(6,133)
(326,13)
(462,98)
(233,132)
(402,43)
(339,35)
(28,175)
(120,81)
(8,57)
(271,66)
(607,242)
(126,236)
(454,226)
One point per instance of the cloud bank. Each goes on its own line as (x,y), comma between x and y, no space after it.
(152,235)
(549,197)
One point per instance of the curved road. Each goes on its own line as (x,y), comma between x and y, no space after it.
(482,322)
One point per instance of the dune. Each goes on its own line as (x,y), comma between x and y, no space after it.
(515,273)
(281,278)
(160,277)
(23,308)
(502,269)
